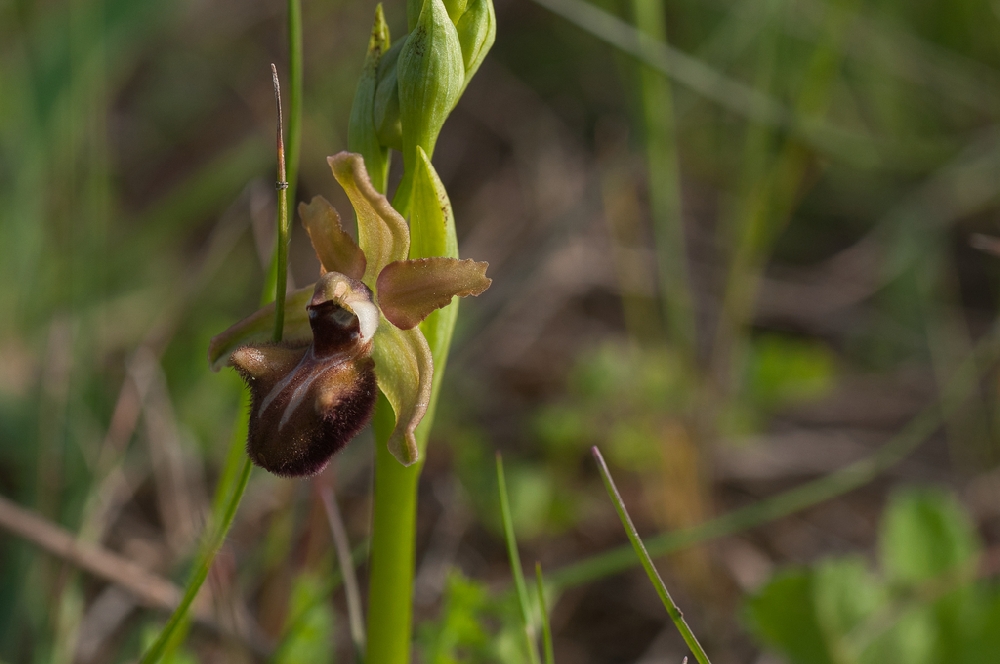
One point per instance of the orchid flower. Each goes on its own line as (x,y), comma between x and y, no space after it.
(352,333)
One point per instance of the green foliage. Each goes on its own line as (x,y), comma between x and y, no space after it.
(309,638)
(922,607)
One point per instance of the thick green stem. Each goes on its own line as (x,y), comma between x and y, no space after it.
(394,530)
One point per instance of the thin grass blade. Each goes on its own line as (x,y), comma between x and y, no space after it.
(515,565)
(647,562)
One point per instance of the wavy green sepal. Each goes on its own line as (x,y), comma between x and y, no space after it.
(404,371)
(258,328)
(382,233)
(362,136)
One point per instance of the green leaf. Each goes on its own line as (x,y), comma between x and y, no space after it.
(258,328)
(783,615)
(382,233)
(925,533)
(311,624)
(844,594)
(404,370)
(362,136)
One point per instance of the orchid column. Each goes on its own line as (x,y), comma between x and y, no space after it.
(406,91)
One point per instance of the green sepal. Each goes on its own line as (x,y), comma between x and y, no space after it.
(477,30)
(258,328)
(404,371)
(455,9)
(431,74)
(382,233)
(362,136)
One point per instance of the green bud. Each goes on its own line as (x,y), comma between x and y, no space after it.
(362,136)
(477,29)
(455,9)
(413,9)
(386,111)
(431,74)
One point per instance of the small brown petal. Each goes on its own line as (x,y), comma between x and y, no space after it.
(408,291)
(337,251)
(258,328)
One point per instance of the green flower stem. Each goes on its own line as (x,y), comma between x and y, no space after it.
(393,552)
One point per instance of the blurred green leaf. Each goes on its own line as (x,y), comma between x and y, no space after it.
(782,614)
(310,637)
(925,533)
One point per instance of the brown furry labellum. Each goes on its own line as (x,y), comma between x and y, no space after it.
(307,402)
(358,335)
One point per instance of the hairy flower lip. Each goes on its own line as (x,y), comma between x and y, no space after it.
(356,334)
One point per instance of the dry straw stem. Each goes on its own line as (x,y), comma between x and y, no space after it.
(342,546)
(647,562)
(148,588)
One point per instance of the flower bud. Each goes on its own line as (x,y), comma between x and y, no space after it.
(386,111)
(362,136)
(431,74)
(477,29)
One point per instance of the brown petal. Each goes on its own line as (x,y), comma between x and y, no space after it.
(408,291)
(382,233)
(258,328)
(336,250)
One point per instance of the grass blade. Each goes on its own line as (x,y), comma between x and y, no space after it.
(647,562)
(550,657)
(515,565)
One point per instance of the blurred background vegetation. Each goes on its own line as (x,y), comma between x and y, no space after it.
(772,265)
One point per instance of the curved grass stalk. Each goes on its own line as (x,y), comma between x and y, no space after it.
(647,563)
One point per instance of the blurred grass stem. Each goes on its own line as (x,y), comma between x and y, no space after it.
(664,184)
(281,250)
(515,566)
(342,546)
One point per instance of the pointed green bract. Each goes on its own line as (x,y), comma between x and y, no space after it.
(382,233)
(432,223)
(431,74)
(362,136)
(258,328)
(477,30)
(336,250)
(404,371)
